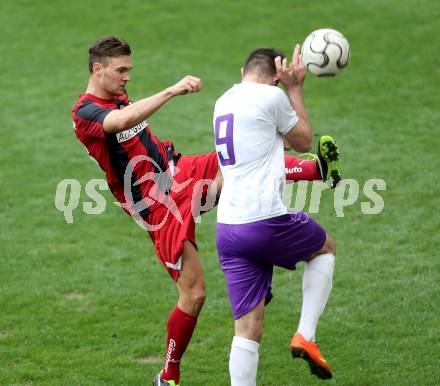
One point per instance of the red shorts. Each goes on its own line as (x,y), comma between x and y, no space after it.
(175,223)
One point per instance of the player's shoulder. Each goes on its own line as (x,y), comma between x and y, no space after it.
(225,95)
(77,104)
(267,97)
(252,89)
(263,92)
(276,99)
(83,109)
(274,91)
(92,108)
(82,102)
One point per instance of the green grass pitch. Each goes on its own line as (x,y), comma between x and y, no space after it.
(86,303)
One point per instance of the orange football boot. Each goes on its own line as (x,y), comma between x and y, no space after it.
(309,351)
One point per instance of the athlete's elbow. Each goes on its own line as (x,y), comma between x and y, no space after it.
(304,146)
(304,139)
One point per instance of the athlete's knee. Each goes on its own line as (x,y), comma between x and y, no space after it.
(250,326)
(251,329)
(198,297)
(332,245)
(191,283)
(329,246)
(192,298)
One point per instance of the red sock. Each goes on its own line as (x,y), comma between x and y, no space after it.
(180,329)
(298,169)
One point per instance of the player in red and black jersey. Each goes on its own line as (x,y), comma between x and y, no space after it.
(153,183)
(114,151)
(157,186)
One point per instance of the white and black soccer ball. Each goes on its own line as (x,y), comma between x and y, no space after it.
(325,52)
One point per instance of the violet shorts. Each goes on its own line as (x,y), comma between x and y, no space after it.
(249,251)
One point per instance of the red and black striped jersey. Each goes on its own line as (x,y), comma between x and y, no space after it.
(134,156)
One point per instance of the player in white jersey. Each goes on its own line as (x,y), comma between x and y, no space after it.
(254,171)
(255,231)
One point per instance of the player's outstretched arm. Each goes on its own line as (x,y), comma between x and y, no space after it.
(119,120)
(292,77)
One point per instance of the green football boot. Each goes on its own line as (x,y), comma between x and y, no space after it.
(328,160)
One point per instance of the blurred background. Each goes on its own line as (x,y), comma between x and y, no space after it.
(86,303)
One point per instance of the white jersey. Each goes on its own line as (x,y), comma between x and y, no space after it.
(249,121)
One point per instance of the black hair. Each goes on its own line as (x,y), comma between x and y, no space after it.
(261,60)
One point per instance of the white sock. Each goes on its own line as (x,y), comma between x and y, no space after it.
(243,362)
(317,284)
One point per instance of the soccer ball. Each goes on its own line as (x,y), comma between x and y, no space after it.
(325,52)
